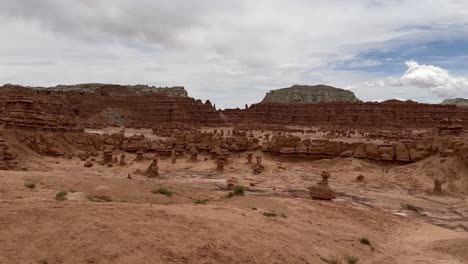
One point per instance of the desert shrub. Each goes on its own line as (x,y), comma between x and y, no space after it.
(270,214)
(30,185)
(239,190)
(61,196)
(163,191)
(99,198)
(273,214)
(352,260)
(200,201)
(364,241)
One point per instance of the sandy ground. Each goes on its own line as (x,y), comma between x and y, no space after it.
(138,226)
(393,207)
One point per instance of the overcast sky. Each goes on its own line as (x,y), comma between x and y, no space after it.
(232,52)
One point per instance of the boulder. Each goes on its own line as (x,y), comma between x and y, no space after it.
(401,152)
(372,151)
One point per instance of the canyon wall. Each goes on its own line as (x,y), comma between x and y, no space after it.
(386,114)
(103,105)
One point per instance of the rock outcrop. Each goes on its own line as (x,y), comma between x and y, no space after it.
(321,190)
(408,151)
(369,114)
(309,94)
(104,105)
(7,157)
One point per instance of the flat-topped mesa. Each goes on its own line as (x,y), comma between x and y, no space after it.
(305,94)
(456,101)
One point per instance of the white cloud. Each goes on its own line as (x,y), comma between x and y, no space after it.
(375,84)
(230,52)
(435,79)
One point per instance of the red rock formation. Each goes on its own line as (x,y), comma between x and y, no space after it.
(7,157)
(450,126)
(20,112)
(396,114)
(322,190)
(321,148)
(107,106)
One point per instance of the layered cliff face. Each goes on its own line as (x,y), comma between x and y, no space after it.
(388,114)
(456,101)
(309,95)
(102,105)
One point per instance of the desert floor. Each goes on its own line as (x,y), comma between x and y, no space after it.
(108,218)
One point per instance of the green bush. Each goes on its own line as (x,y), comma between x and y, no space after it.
(270,214)
(61,196)
(30,185)
(273,214)
(200,201)
(239,190)
(163,191)
(352,260)
(364,241)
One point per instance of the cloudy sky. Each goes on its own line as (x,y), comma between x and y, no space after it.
(232,52)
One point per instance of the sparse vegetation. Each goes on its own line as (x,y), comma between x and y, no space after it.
(61,196)
(30,185)
(99,198)
(163,191)
(332,260)
(364,241)
(352,260)
(238,190)
(270,214)
(200,201)
(273,214)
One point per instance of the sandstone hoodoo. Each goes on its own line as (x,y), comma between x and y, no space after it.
(321,190)
(305,94)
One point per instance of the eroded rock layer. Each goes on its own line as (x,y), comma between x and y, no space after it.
(386,114)
(100,106)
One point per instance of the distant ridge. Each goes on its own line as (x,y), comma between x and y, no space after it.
(111,89)
(455,101)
